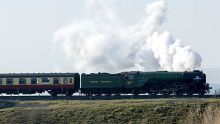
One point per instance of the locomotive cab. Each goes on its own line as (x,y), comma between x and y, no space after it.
(128,80)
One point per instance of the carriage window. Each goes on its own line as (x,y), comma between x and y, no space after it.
(56,81)
(45,80)
(70,80)
(0,81)
(65,80)
(22,81)
(9,81)
(33,80)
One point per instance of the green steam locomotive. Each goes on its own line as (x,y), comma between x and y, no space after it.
(153,83)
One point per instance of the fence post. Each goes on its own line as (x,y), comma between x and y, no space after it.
(90,96)
(215,93)
(133,94)
(18,93)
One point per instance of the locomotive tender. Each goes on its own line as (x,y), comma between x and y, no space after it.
(134,82)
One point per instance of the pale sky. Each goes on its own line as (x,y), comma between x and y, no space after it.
(27,29)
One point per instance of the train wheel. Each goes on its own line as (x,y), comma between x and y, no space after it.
(99,94)
(189,94)
(117,94)
(179,94)
(53,94)
(152,94)
(166,94)
(201,94)
(136,94)
(108,94)
(68,94)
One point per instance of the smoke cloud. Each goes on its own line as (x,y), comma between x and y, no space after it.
(98,41)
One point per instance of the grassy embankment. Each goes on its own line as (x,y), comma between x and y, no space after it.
(114,111)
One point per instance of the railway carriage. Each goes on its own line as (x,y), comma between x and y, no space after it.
(29,83)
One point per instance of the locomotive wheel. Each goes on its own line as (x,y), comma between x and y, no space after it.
(201,94)
(117,94)
(189,94)
(99,94)
(136,94)
(108,94)
(152,94)
(179,93)
(166,93)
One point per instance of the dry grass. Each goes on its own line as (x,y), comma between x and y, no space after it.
(156,111)
(209,114)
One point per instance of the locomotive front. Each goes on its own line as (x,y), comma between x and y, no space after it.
(179,83)
(197,82)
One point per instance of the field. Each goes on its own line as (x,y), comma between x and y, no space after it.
(152,111)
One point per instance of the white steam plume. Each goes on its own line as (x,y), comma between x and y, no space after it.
(99,41)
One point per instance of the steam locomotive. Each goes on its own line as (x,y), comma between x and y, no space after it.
(134,82)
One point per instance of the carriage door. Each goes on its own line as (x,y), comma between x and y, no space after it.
(128,80)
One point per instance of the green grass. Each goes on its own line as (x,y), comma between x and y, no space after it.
(107,111)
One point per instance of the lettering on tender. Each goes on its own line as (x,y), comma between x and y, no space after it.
(93,81)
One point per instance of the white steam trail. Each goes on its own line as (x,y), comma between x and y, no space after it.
(98,41)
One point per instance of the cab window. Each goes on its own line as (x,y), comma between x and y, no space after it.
(128,77)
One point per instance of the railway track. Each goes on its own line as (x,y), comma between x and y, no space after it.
(27,98)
